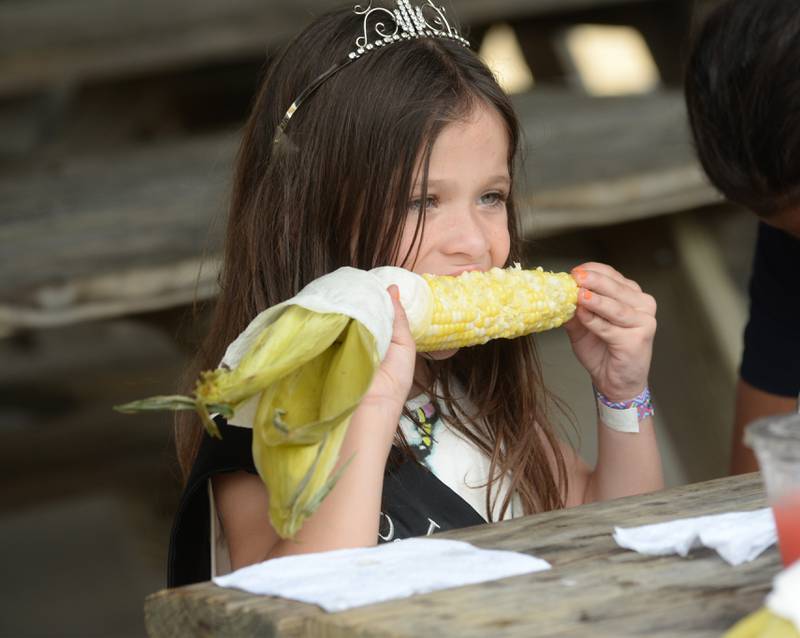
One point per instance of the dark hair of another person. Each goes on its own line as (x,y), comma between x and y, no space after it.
(742,90)
(335,192)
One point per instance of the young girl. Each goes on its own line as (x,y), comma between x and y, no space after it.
(403,155)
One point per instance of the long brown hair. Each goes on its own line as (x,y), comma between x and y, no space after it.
(335,192)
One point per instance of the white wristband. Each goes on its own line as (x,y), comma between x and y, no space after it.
(624,416)
(621,420)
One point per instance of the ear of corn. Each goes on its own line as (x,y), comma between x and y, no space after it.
(308,370)
(297,337)
(311,371)
(474,307)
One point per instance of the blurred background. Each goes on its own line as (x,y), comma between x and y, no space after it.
(119,122)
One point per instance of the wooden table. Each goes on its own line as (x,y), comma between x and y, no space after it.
(595,587)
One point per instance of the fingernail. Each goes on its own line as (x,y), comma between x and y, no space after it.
(579,274)
(394,292)
(586,294)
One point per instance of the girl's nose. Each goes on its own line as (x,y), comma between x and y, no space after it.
(467,235)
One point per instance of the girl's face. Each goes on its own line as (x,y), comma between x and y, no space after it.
(466,223)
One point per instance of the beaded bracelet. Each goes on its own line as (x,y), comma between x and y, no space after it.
(624,416)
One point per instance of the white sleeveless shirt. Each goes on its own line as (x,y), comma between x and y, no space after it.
(454,459)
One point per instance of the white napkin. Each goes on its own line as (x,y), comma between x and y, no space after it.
(784,599)
(346,578)
(737,536)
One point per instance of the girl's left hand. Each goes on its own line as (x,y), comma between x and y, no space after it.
(612,331)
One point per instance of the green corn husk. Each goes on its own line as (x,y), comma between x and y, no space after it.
(312,370)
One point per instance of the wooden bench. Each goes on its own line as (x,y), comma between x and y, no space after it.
(99,237)
(50,43)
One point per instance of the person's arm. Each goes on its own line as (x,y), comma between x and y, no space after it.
(612,335)
(349,516)
(627,463)
(751,404)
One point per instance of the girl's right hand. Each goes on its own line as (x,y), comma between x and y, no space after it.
(392,382)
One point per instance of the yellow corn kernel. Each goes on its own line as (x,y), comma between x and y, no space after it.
(474,307)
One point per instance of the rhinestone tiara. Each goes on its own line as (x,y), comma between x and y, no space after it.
(410,23)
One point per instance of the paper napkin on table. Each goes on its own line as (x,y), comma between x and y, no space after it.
(736,536)
(346,578)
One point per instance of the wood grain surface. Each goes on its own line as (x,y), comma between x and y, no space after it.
(594,588)
(96,237)
(54,42)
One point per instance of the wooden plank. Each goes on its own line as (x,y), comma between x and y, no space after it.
(52,42)
(75,220)
(207,610)
(726,310)
(116,294)
(481,12)
(594,587)
(599,161)
(99,237)
(25,121)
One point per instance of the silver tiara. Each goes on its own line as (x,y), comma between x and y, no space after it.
(410,23)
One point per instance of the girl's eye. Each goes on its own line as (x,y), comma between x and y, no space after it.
(416,204)
(497,199)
